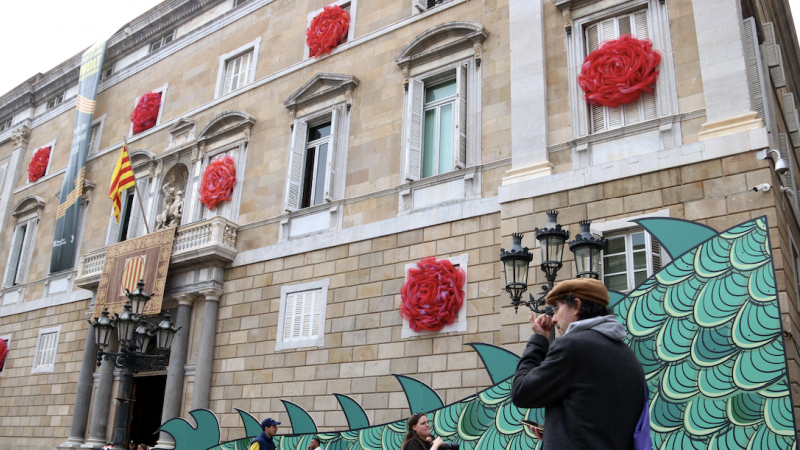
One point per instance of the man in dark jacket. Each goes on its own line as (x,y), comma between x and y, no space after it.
(588,381)
(264,440)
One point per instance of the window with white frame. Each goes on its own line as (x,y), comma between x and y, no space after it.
(55,101)
(227,209)
(605,118)
(237,72)
(460,324)
(163,92)
(424,5)
(301,321)
(436,121)
(629,258)
(20,253)
(106,73)
(131,223)
(163,41)
(348,5)
(4,361)
(94,139)
(313,159)
(46,350)
(52,146)
(6,124)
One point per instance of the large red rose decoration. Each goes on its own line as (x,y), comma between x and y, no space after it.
(3,353)
(38,164)
(619,71)
(218,181)
(432,295)
(327,29)
(145,115)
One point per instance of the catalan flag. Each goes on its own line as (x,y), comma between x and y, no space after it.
(121,179)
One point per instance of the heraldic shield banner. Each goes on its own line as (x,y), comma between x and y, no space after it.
(143,258)
(706,329)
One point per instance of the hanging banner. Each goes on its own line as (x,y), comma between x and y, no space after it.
(69,205)
(144,258)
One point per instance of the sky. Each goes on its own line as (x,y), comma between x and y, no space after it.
(40,34)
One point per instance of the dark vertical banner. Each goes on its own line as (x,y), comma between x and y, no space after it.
(69,205)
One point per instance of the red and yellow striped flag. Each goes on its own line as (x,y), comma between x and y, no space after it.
(121,179)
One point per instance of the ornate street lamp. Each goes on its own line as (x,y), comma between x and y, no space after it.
(133,344)
(103,327)
(552,238)
(516,262)
(587,250)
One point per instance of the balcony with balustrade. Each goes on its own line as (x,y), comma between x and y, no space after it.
(208,241)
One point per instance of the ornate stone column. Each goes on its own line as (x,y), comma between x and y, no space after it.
(723,66)
(173,396)
(20,137)
(83,396)
(205,352)
(102,401)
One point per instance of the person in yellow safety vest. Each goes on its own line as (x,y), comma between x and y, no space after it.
(264,440)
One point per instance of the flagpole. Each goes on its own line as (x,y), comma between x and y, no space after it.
(136,186)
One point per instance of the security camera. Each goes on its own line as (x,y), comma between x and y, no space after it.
(781,167)
(762,187)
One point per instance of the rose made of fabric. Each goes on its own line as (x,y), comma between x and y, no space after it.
(327,29)
(218,180)
(619,71)
(3,353)
(432,295)
(38,164)
(145,115)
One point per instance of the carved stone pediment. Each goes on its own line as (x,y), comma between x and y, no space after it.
(28,208)
(457,35)
(321,87)
(226,124)
(182,132)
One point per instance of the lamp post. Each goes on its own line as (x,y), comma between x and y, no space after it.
(586,248)
(133,343)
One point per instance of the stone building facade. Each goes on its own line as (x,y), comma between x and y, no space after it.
(236,80)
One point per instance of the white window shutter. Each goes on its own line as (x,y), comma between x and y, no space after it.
(25,253)
(421,5)
(777,72)
(113,224)
(785,148)
(295,175)
(297,316)
(459,152)
(289,318)
(625,25)
(631,110)
(642,30)
(592,38)
(316,315)
(2,177)
(136,221)
(13,256)
(648,100)
(754,69)
(333,146)
(770,49)
(416,97)
(655,254)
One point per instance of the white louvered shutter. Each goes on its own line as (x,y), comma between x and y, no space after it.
(303,316)
(333,147)
(421,5)
(791,118)
(416,97)
(25,252)
(13,256)
(113,225)
(136,223)
(785,148)
(295,175)
(2,177)
(770,53)
(755,71)
(655,254)
(777,72)
(46,356)
(459,153)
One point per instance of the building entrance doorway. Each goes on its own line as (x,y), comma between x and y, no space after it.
(145,412)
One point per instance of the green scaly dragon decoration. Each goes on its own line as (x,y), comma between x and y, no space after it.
(706,329)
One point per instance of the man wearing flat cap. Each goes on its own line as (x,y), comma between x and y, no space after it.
(264,440)
(588,381)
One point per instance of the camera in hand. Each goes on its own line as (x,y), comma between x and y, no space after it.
(450,446)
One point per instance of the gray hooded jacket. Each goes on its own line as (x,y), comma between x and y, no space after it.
(589,383)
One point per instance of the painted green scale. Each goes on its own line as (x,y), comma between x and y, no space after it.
(706,329)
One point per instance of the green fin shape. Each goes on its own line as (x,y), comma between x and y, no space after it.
(356,417)
(188,437)
(614,297)
(677,236)
(302,422)
(421,398)
(252,427)
(499,362)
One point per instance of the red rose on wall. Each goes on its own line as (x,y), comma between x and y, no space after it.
(619,71)
(3,353)
(327,29)
(432,294)
(145,115)
(218,180)
(38,164)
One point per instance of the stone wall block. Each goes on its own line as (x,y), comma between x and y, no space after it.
(437,232)
(605,208)
(409,238)
(682,194)
(642,202)
(719,187)
(661,179)
(623,187)
(701,171)
(466,226)
(586,194)
(704,209)
(750,201)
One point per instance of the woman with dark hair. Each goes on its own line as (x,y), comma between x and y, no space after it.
(418,436)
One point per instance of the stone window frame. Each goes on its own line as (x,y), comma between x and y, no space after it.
(159,90)
(52,145)
(321,285)
(94,146)
(141,164)
(461,324)
(628,226)
(46,368)
(7,338)
(181,127)
(351,31)
(27,212)
(666,86)
(252,46)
